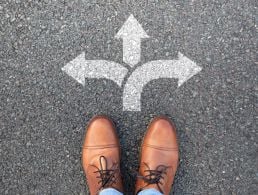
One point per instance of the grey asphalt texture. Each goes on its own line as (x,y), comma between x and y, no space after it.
(43,111)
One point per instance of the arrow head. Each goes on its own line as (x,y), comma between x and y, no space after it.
(131,29)
(188,68)
(75,68)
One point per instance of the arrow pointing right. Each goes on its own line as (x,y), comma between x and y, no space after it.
(182,69)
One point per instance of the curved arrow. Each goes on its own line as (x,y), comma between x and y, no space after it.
(80,68)
(182,69)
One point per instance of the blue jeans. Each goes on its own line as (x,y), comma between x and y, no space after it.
(112,191)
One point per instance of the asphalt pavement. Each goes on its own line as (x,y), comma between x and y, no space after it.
(44,111)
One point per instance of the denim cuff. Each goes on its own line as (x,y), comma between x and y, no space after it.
(150,191)
(110,191)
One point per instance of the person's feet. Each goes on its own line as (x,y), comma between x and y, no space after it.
(101,156)
(159,157)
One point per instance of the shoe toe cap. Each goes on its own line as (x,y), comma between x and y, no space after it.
(161,133)
(100,131)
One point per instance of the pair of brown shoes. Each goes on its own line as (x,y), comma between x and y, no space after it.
(101,156)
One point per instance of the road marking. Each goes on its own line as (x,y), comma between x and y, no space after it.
(131,32)
(182,69)
(80,68)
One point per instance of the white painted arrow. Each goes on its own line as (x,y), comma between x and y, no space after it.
(80,68)
(181,69)
(131,33)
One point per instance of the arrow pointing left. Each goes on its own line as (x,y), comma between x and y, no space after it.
(80,68)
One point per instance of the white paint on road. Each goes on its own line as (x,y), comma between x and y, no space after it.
(131,33)
(80,68)
(181,69)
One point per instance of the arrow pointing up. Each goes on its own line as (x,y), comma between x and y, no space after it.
(131,33)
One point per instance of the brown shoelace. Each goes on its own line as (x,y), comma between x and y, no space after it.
(107,177)
(154,176)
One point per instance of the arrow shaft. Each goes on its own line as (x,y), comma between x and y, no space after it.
(143,75)
(102,69)
(131,51)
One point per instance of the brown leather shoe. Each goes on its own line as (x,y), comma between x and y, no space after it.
(159,157)
(101,156)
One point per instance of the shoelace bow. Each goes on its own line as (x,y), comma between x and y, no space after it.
(107,177)
(154,176)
